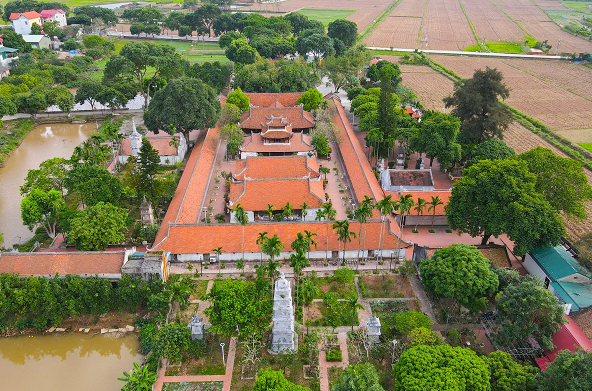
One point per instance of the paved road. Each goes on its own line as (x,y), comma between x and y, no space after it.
(478,54)
(161,36)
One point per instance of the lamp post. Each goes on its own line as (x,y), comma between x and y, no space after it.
(223,360)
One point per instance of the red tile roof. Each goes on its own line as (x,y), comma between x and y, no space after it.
(298,143)
(569,337)
(255,194)
(28,15)
(201,239)
(160,142)
(46,263)
(48,13)
(277,133)
(357,167)
(276,167)
(262,117)
(286,99)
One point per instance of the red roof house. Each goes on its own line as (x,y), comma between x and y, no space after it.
(569,337)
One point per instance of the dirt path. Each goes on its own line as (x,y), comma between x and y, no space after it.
(366,313)
(424,302)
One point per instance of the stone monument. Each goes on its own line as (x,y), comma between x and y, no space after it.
(283,336)
(373,329)
(197,328)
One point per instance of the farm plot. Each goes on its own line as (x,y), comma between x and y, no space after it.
(490,23)
(446,26)
(395,31)
(364,14)
(410,8)
(545,101)
(550,4)
(429,86)
(539,25)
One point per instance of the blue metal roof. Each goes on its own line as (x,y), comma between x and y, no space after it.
(558,263)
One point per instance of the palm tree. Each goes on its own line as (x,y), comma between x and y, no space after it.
(433,204)
(288,209)
(343,233)
(270,211)
(261,238)
(420,206)
(353,305)
(325,171)
(241,216)
(308,235)
(329,214)
(361,214)
(304,207)
(405,204)
(298,262)
(179,292)
(386,207)
(272,247)
(309,291)
(368,203)
(218,250)
(138,379)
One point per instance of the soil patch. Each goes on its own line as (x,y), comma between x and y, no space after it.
(396,286)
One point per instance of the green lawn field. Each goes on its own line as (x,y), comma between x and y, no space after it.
(325,16)
(586,146)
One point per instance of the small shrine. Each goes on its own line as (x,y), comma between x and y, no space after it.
(373,329)
(197,328)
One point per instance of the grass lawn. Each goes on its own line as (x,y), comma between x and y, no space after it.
(318,314)
(586,146)
(194,52)
(505,47)
(200,289)
(330,284)
(395,286)
(325,16)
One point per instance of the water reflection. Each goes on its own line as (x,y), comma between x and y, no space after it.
(71,361)
(42,143)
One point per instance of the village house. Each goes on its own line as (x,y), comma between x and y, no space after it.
(21,22)
(54,16)
(171,149)
(6,56)
(38,41)
(562,275)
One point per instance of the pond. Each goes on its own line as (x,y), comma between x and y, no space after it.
(42,143)
(67,362)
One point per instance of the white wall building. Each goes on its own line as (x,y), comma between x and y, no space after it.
(21,22)
(54,16)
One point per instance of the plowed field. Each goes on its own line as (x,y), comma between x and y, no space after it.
(366,11)
(490,23)
(544,99)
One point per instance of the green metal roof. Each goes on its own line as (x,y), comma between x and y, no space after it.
(4,49)
(578,295)
(558,263)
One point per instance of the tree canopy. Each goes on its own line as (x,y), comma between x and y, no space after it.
(270,380)
(570,371)
(239,99)
(184,103)
(359,377)
(491,149)
(98,226)
(40,208)
(345,70)
(561,180)
(94,185)
(441,368)
(527,310)
(311,99)
(436,137)
(344,30)
(281,76)
(475,102)
(498,196)
(460,272)
(508,375)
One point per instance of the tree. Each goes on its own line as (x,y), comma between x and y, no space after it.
(89,90)
(61,97)
(498,196)
(41,208)
(171,341)
(185,103)
(328,213)
(7,107)
(142,60)
(508,375)
(432,205)
(239,99)
(311,99)
(238,308)
(36,29)
(528,310)
(241,52)
(298,262)
(406,321)
(215,74)
(149,162)
(227,38)
(270,380)
(94,185)
(475,102)
(358,377)
(138,379)
(206,14)
(420,206)
(288,210)
(15,41)
(261,238)
(491,149)
(32,103)
(233,135)
(272,247)
(386,206)
(314,42)
(437,138)
(462,273)
(309,291)
(50,176)
(405,204)
(570,371)
(344,30)
(242,218)
(137,28)
(353,306)
(98,226)
(364,211)
(441,367)
(345,70)
(343,233)
(560,180)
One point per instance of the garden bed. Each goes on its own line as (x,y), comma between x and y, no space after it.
(200,386)
(342,284)
(393,286)
(204,361)
(318,314)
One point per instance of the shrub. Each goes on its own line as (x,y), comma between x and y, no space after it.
(409,320)
(453,336)
(344,274)
(334,355)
